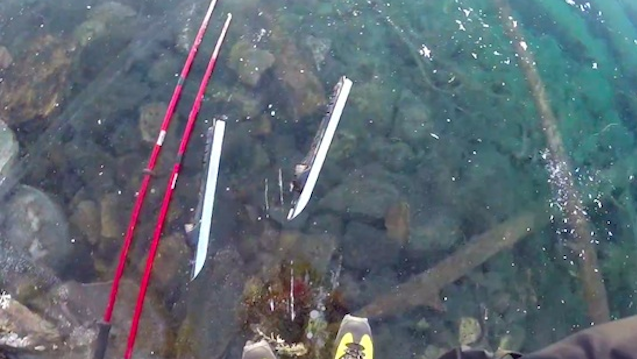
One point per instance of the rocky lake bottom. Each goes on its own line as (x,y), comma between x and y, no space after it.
(479,190)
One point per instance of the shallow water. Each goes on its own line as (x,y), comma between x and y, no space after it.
(492,150)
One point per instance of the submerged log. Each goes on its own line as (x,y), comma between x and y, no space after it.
(561,176)
(424,289)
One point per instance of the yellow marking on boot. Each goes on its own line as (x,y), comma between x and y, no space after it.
(368,345)
(342,345)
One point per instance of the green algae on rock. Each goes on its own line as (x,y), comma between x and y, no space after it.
(249,62)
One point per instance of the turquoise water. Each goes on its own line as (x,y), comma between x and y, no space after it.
(492,151)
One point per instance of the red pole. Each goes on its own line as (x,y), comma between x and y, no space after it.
(152,162)
(170,188)
(104,327)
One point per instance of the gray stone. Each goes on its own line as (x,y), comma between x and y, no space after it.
(324,224)
(164,69)
(19,275)
(361,195)
(412,122)
(249,62)
(280,215)
(100,19)
(396,156)
(359,291)
(86,217)
(469,331)
(111,11)
(151,116)
(88,31)
(434,230)
(218,298)
(95,168)
(315,249)
(513,339)
(37,225)
(20,328)
(366,247)
(83,303)
(112,219)
(373,102)
(124,138)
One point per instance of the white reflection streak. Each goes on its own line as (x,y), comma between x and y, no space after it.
(292,313)
(280,187)
(271,299)
(265,197)
(558,179)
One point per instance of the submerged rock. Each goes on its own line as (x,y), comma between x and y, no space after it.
(36,85)
(37,225)
(164,69)
(112,219)
(514,338)
(396,156)
(219,297)
(433,352)
(87,302)
(111,11)
(171,267)
(469,331)
(20,276)
(248,102)
(99,20)
(150,119)
(314,249)
(86,217)
(434,230)
(361,195)
(374,101)
(346,144)
(74,307)
(88,31)
(319,47)
(5,58)
(304,90)
(94,169)
(20,328)
(249,62)
(324,224)
(8,150)
(397,222)
(368,247)
(262,127)
(413,123)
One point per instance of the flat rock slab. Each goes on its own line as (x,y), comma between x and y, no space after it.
(214,300)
